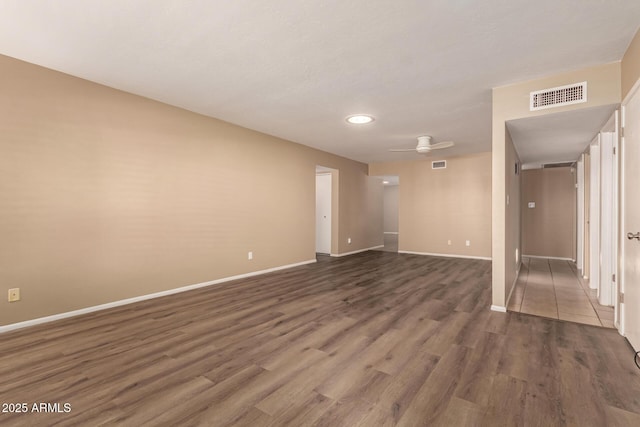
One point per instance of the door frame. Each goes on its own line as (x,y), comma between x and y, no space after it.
(622,239)
(329,199)
(619,314)
(616,216)
(594,214)
(608,234)
(580,215)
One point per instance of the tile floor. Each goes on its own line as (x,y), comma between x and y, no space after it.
(553,288)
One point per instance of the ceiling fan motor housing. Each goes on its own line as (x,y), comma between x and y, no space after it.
(424,140)
(424,143)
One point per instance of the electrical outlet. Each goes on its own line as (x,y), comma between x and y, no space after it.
(349,240)
(14,295)
(250,256)
(449,242)
(468,243)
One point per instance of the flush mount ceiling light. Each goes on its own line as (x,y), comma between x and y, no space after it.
(359,119)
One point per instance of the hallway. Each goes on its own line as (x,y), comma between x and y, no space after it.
(552,288)
(390,243)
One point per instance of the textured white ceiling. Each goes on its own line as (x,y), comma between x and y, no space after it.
(297,68)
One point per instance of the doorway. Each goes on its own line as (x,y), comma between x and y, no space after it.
(608,218)
(391,203)
(601,182)
(324,183)
(558,284)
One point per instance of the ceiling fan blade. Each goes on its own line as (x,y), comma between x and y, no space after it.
(401,149)
(441,145)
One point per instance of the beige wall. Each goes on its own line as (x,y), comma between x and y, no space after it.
(105,196)
(391,208)
(631,65)
(512,102)
(440,205)
(548,230)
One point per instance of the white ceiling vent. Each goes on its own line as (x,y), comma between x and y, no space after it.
(557,96)
(440,164)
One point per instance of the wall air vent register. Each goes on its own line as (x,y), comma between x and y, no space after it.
(558,165)
(557,96)
(440,164)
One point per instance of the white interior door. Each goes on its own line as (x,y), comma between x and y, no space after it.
(608,211)
(615,260)
(323,213)
(630,285)
(587,216)
(594,215)
(580,218)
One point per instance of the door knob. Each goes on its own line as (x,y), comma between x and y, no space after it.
(632,236)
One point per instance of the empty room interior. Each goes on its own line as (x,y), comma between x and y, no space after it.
(287,213)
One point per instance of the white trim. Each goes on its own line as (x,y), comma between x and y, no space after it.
(446,255)
(621,210)
(47,319)
(616,216)
(594,213)
(390,232)
(358,251)
(608,211)
(499,308)
(580,222)
(548,257)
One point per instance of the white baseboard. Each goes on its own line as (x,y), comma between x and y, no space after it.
(499,308)
(445,255)
(548,257)
(390,232)
(47,319)
(358,251)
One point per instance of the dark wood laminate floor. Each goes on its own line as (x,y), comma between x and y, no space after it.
(374,339)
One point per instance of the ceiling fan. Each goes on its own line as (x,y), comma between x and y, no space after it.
(425,146)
